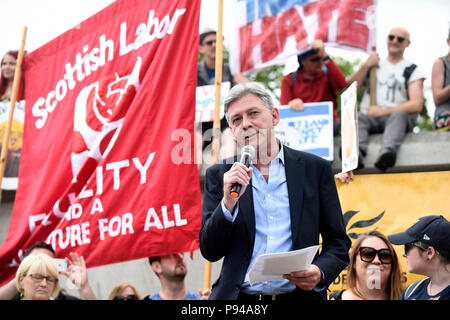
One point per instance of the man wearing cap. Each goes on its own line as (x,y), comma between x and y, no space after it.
(427,252)
(206,68)
(206,76)
(317,79)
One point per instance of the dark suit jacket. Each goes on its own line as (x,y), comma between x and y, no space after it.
(314,207)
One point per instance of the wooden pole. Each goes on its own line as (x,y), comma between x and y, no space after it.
(373,86)
(15,93)
(218,84)
(216,123)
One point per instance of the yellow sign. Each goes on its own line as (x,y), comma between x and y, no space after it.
(391,203)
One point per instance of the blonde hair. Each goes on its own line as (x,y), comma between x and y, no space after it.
(37,262)
(117,290)
(394,287)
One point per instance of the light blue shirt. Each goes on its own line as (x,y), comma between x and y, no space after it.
(272,221)
(190,296)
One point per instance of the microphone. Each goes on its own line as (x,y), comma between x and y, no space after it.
(247,154)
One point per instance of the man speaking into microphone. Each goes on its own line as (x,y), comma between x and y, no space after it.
(287,198)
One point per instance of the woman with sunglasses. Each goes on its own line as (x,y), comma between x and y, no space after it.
(373,272)
(427,252)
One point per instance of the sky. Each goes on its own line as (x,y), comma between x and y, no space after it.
(428,22)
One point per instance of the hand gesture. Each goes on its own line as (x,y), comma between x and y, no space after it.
(319,47)
(296,104)
(76,270)
(373,60)
(344,177)
(375,111)
(204,294)
(306,279)
(238,173)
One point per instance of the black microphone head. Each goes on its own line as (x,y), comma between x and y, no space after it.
(247,154)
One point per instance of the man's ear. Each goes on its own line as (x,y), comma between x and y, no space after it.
(275,116)
(156,266)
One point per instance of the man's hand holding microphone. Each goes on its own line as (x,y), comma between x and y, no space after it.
(236,180)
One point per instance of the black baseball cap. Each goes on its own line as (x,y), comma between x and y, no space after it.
(306,54)
(433,230)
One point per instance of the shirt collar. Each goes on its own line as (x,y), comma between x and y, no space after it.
(280,154)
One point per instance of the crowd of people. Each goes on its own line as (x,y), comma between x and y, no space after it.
(269,216)
(399,92)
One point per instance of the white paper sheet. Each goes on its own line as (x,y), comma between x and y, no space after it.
(273,266)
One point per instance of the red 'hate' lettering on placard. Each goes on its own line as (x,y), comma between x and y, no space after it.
(352,16)
(265,29)
(291,24)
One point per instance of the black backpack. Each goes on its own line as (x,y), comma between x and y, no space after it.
(407,74)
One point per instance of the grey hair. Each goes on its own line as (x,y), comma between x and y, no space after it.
(242,89)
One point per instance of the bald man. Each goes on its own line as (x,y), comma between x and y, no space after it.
(399,99)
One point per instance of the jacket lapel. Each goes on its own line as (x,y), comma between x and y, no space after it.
(295,178)
(248,212)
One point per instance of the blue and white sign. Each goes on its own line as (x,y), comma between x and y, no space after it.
(309,130)
(205,101)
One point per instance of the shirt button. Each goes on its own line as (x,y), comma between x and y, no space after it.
(271,238)
(271,217)
(268,196)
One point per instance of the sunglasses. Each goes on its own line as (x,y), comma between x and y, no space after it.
(417,244)
(368,254)
(210,42)
(129,297)
(317,59)
(399,39)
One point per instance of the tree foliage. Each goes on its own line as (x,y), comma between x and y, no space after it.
(270,78)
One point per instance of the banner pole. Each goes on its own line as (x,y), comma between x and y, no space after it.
(373,86)
(218,83)
(15,93)
(216,123)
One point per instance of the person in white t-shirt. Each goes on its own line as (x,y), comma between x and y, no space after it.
(399,99)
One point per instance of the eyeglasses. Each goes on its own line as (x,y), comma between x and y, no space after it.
(317,59)
(39,277)
(417,244)
(210,42)
(367,254)
(399,39)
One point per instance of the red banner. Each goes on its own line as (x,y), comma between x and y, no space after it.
(106,168)
(268,32)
